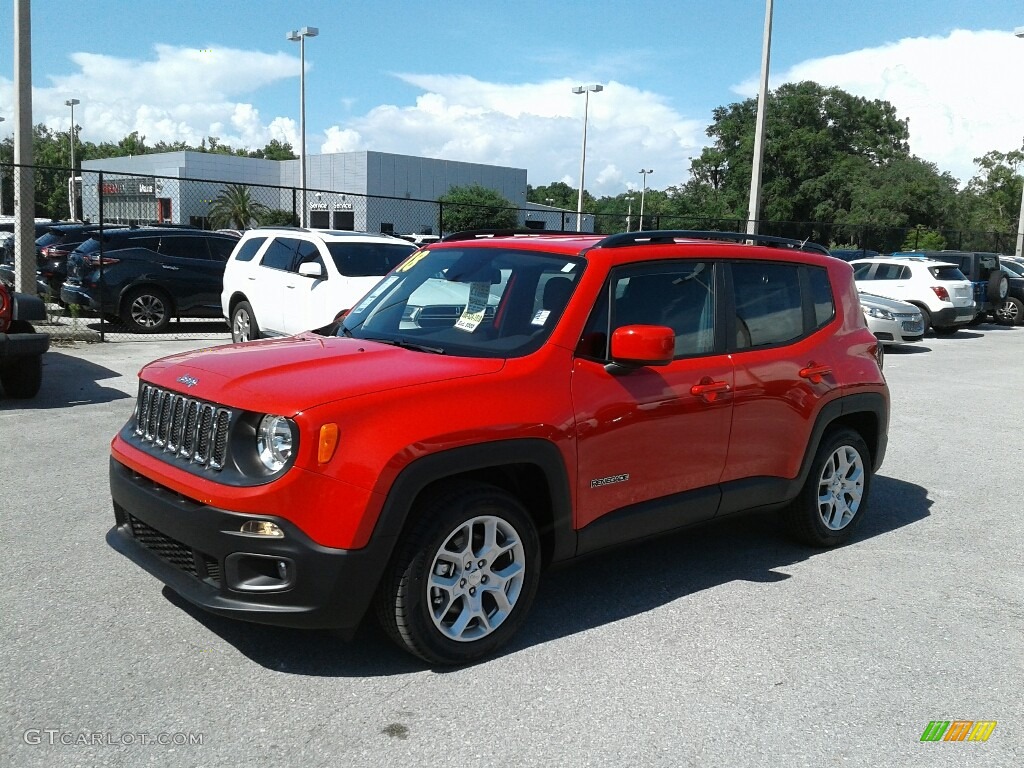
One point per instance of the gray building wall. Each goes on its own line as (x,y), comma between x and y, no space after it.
(380,189)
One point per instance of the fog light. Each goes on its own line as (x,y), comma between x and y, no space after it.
(262,528)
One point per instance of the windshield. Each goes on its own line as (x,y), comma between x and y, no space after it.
(1014,267)
(471,302)
(368,259)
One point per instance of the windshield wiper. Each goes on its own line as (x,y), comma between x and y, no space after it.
(406,345)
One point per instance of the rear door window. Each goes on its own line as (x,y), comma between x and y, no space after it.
(769,309)
(184,247)
(280,253)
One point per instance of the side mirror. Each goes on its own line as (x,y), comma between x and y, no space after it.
(638,345)
(311,269)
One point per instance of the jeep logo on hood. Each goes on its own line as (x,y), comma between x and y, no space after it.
(188,381)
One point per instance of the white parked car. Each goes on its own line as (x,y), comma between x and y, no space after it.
(281,281)
(939,289)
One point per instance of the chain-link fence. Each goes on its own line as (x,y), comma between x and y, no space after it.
(89,289)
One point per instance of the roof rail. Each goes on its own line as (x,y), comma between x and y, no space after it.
(662,236)
(474,234)
(283,226)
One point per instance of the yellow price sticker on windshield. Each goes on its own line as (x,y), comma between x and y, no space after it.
(412,261)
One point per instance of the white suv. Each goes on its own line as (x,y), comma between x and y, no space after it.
(939,289)
(282,280)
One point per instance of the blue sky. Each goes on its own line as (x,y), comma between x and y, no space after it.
(491,81)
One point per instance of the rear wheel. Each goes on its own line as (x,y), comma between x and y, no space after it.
(146,310)
(463,577)
(834,497)
(243,323)
(925,317)
(22,377)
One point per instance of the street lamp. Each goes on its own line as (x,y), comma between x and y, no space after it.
(585,90)
(643,192)
(1019,32)
(762,100)
(300,36)
(1,184)
(629,213)
(71,103)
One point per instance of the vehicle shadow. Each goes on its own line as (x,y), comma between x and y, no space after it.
(599,590)
(210,327)
(906,349)
(69,381)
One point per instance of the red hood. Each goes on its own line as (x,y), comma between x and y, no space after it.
(286,376)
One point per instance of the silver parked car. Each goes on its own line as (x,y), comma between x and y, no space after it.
(892,322)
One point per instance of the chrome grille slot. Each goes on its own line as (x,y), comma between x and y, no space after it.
(189,430)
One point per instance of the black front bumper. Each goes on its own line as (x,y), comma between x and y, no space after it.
(199,552)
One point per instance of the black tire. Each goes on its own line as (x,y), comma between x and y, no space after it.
(926,317)
(1011,312)
(146,310)
(805,516)
(945,330)
(243,323)
(998,286)
(22,377)
(406,602)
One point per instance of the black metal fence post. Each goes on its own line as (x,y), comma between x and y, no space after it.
(103,317)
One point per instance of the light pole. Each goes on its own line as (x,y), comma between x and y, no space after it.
(643,193)
(71,103)
(1019,32)
(300,35)
(1,184)
(762,100)
(585,90)
(629,214)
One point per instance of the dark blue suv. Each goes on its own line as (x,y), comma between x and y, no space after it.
(146,276)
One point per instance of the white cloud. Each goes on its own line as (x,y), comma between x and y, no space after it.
(537,126)
(181,94)
(961,92)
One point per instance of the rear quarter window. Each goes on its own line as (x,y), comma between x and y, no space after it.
(248,249)
(821,296)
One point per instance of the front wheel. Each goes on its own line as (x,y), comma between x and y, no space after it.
(833,499)
(463,577)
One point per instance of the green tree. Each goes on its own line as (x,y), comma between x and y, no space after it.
(234,208)
(275,217)
(275,150)
(991,200)
(921,239)
(815,139)
(475,207)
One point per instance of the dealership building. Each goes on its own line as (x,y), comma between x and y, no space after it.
(365,191)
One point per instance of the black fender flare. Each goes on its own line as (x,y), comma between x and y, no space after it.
(543,454)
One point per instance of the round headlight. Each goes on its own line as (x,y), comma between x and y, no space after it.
(274,442)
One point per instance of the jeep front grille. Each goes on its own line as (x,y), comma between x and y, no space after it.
(184,428)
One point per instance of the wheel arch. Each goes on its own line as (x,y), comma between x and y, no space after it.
(530,469)
(866,413)
(128,290)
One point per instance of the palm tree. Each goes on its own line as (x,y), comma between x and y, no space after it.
(234,208)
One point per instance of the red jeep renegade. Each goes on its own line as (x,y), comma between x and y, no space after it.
(497,404)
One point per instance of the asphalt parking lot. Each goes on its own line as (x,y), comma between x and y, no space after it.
(723,646)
